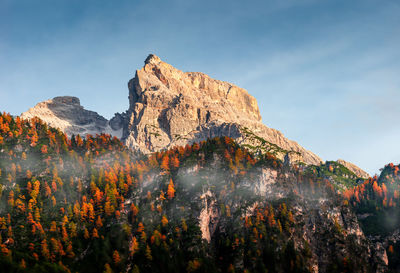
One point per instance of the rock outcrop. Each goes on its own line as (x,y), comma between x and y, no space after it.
(329,230)
(67,114)
(356,170)
(169,107)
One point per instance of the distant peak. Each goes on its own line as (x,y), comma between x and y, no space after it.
(67,100)
(67,114)
(152,59)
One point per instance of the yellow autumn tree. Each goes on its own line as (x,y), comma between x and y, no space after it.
(164,220)
(171,189)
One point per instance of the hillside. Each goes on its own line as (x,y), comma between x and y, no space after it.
(91,205)
(377,203)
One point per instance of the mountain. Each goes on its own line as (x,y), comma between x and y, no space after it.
(67,114)
(93,205)
(168,107)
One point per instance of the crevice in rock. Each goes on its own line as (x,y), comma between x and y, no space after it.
(163,122)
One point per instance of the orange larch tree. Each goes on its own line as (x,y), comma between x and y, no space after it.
(171,189)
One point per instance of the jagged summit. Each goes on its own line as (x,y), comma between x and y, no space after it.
(152,59)
(170,107)
(164,79)
(67,114)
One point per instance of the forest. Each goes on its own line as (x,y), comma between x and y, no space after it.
(89,204)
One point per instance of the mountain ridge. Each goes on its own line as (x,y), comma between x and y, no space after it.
(169,107)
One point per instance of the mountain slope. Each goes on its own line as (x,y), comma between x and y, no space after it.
(377,204)
(355,169)
(91,205)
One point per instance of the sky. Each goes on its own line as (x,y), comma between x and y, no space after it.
(325,73)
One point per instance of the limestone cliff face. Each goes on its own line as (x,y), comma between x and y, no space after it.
(169,107)
(67,114)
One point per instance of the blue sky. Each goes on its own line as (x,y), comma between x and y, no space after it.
(325,73)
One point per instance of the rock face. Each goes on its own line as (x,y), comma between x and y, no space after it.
(327,228)
(359,172)
(67,114)
(169,107)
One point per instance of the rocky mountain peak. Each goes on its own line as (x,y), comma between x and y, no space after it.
(157,79)
(170,107)
(67,114)
(68,100)
(152,59)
